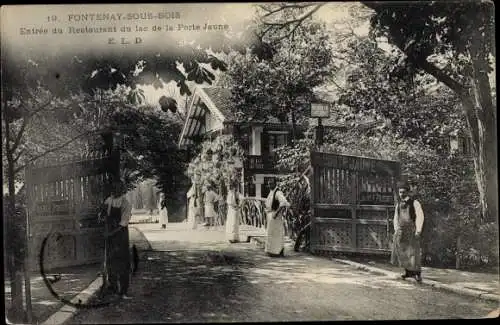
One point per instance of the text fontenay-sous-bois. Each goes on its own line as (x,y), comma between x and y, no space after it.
(91,17)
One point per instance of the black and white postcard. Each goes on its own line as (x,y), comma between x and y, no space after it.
(249,162)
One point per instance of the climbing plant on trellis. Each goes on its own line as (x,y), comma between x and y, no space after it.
(218,164)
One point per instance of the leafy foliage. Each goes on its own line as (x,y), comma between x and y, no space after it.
(84,75)
(90,89)
(444,184)
(280,85)
(217,163)
(147,140)
(439,28)
(417,107)
(454,42)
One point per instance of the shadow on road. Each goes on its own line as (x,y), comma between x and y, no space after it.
(218,282)
(183,285)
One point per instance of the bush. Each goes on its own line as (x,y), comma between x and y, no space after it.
(454,234)
(444,184)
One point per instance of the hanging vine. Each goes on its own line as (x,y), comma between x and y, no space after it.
(218,164)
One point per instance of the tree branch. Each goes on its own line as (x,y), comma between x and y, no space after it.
(19,135)
(41,108)
(440,75)
(337,85)
(284,7)
(16,158)
(421,60)
(297,21)
(62,145)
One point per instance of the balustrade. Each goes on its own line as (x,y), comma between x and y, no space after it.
(254,162)
(253,213)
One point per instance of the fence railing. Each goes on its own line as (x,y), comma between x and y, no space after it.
(220,220)
(253,213)
(258,162)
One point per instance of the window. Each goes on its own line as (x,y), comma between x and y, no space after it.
(464,146)
(276,140)
(245,142)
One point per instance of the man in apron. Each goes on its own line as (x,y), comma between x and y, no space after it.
(408,223)
(275,232)
(119,211)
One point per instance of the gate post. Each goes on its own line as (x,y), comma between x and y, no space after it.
(113,168)
(312,238)
(114,159)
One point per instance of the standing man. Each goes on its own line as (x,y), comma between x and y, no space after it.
(408,223)
(119,211)
(275,232)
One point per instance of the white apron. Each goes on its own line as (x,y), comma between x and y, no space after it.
(210,211)
(233,219)
(210,198)
(163,214)
(192,212)
(275,232)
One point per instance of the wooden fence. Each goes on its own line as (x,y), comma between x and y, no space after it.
(253,214)
(352,203)
(65,196)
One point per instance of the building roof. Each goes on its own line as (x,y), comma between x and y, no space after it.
(221,97)
(219,103)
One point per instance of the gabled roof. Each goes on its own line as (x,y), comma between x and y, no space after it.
(221,98)
(218,103)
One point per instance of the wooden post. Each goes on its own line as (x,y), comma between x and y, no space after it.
(27,265)
(319,133)
(114,171)
(313,240)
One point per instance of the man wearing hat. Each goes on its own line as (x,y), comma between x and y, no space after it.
(408,223)
(119,211)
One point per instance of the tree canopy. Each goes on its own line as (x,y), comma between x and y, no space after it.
(280,83)
(454,43)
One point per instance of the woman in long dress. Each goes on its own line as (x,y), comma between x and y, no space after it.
(192,206)
(210,198)
(233,214)
(162,207)
(275,232)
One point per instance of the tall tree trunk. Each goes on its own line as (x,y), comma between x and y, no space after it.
(485,165)
(484,134)
(484,147)
(13,239)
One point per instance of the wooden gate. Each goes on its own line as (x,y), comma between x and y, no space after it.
(65,197)
(352,203)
